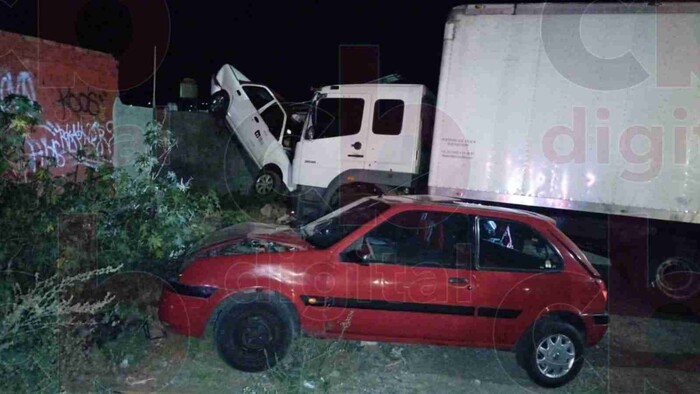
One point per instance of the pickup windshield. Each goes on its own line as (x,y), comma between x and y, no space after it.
(327,230)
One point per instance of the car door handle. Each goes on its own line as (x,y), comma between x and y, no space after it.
(356,155)
(357,145)
(457,281)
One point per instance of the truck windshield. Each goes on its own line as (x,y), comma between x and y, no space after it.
(327,230)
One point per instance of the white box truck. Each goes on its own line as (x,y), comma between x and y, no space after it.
(589,113)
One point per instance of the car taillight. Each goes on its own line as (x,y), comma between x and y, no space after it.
(603,290)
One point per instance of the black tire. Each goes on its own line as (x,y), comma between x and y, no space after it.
(254,336)
(267,183)
(527,354)
(219,103)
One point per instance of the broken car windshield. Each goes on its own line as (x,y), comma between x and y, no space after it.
(326,231)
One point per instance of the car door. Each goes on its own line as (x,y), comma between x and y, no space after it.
(409,278)
(334,139)
(515,277)
(249,108)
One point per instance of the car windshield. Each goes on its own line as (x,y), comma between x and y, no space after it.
(327,230)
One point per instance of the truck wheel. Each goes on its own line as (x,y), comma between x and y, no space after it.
(254,336)
(219,103)
(267,182)
(678,278)
(552,353)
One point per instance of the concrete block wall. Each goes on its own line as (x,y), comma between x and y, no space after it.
(76,88)
(208,153)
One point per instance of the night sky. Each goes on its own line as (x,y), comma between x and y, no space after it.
(288,45)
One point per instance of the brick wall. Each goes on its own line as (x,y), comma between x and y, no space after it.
(76,89)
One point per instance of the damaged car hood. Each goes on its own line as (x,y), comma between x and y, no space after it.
(250,238)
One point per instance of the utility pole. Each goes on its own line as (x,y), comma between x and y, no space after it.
(155,115)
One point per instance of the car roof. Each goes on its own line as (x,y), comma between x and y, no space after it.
(461,203)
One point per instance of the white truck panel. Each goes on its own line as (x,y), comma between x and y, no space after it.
(502,100)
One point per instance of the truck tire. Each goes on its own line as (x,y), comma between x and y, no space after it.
(552,353)
(266,183)
(678,278)
(219,103)
(254,336)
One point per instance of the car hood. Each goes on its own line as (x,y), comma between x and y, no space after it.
(249,238)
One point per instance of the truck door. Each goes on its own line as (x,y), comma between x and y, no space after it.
(335,139)
(392,140)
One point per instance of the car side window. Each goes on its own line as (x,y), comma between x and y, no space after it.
(258,96)
(337,117)
(388,117)
(418,238)
(512,246)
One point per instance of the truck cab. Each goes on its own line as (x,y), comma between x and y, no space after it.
(368,137)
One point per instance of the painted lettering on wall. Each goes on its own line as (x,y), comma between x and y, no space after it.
(21,84)
(67,144)
(81,103)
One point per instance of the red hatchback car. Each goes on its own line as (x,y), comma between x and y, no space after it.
(416,269)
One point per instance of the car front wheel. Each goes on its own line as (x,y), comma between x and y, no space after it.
(553,354)
(254,336)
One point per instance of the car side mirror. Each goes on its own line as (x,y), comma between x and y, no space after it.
(357,256)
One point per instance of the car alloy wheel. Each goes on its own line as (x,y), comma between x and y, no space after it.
(265,184)
(555,356)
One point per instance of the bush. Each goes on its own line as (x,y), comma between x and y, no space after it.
(37,332)
(59,231)
(139,221)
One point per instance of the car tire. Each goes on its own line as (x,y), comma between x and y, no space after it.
(552,353)
(254,336)
(219,103)
(267,183)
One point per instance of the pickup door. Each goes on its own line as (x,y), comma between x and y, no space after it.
(255,116)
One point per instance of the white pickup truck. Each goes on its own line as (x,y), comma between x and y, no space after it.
(586,112)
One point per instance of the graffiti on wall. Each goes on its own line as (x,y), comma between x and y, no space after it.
(81,103)
(21,84)
(71,143)
(83,135)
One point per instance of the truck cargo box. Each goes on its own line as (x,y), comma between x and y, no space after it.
(593,108)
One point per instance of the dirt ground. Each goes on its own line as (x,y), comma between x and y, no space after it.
(639,354)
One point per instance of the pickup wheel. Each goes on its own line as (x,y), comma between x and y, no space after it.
(254,336)
(219,103)
(267,183)
(552,353)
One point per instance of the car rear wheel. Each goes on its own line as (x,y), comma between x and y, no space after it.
(254,336)
(267,183)
(552,354)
